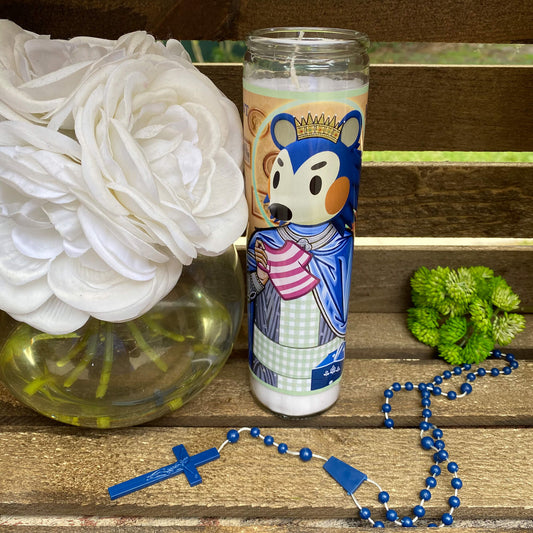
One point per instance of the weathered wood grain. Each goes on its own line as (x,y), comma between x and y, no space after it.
(446,200)
(414,107)
(61,470)
(502,401)
(247,525)
(387,20)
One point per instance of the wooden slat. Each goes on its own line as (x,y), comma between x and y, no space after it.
(65,471)
(446,200)
(388,20)
(502,401)
(215,525)
(413,107)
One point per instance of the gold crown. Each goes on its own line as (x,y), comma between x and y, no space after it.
(318,127)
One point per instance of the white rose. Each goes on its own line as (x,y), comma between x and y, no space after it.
(38,75)
(101,224)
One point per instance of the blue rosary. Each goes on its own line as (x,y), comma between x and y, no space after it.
(347,476)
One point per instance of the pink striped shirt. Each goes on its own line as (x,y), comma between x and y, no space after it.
(286,269)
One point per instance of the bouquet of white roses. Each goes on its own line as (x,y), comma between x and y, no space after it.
(119,163)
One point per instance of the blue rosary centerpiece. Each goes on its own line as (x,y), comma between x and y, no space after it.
(350,478)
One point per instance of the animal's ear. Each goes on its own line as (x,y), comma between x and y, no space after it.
(283,130)
(352,125)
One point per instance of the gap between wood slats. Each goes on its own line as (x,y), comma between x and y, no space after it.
(419,107)
(491,21)
(51,471)
(227,402)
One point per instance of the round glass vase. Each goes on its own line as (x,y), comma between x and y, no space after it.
(109,375)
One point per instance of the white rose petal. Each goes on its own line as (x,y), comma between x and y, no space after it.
(105,294)
(23,299)
(54,317)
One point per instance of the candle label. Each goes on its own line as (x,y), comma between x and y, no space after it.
(302,155)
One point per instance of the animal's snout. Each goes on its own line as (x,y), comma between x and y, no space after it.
(280,211)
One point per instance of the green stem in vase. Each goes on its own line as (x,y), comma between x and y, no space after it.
(146,348)
(76,349)
(86,359)
(105,375)
(152,323)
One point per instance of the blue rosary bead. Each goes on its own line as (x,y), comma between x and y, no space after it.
(233,435)
(495,372)
(255,432)
(438,433)
(392,515)
(427,443)
(457,483)
(442,455)
(283,448)
(471,376)
(440,444)
(435,470)
(447,519)
(388,393)
(509,357)
(514,364)
(467,366)
(407,522)
(446,374)
(437,380)
(426,393)
(437,391)
(364,513)
(466,387)
(496,353)
(452,467)
(424,426)
(431,482)
(422,387)
(426,402)
(432,524)
(419,511)
(481,371)
(454,501)
(425,494)
(452,395)
(426,413)
(507,370)
(409,386)
(389,423)
(378,523)
(457,370)
(383,497)
(306,454)
(386,408)
(396,387)
(269,440)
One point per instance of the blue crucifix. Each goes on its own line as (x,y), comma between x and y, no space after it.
(184,464)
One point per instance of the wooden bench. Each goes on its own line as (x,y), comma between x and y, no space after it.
(471,213)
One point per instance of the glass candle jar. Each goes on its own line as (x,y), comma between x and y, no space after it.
(305,96)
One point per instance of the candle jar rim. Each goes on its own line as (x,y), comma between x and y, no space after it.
(308,40)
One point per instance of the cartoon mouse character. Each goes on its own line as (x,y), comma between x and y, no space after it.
(299,272)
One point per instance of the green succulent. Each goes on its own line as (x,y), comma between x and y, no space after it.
(464,313)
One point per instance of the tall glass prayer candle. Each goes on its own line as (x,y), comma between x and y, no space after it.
(305,95)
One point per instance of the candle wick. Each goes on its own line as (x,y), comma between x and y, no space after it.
(294,78)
